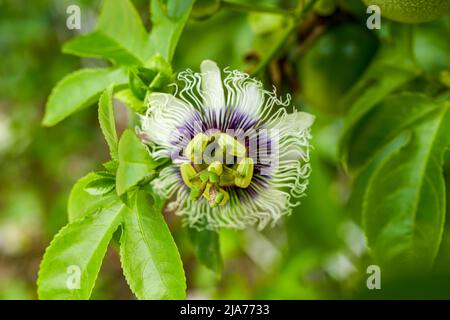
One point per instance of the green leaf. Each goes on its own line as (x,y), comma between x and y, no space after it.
(362,177)
(149,256)
(207,248)
(135,162)
(111,166)
(431,45)
(404,205)
(168,19)
(79,90)
(77,249)
(100,45)
(393,67)
(81,202)
(107,120)
(137,86)
(100,186)
(119,36)
(385,121)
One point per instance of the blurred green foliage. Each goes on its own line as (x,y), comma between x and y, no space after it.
(374,92)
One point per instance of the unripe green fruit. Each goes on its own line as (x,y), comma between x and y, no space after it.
(411,11)
(333,64)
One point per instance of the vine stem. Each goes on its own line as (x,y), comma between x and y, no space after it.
(230,5)
(299,16)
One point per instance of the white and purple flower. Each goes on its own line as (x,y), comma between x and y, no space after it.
(238,158)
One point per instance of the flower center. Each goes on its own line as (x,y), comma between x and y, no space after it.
(217,161)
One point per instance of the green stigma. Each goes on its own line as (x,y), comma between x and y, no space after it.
(209,176)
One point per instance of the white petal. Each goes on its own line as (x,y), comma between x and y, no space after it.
(259,211)
(295,122)
(244,93)
(252,100)
(214,97)
(168,181)
(163,118)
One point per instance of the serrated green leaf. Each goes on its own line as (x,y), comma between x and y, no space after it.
(149,256)
(404,206)
(168,19)
(107,120)
(207,248)
(100,45)
(111,166)
(79,90)
(77,249)
(119,36)
(100,186)
(135,162)
(120,20)
(137,86)
(82,202)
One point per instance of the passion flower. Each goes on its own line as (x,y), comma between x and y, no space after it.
(238,158)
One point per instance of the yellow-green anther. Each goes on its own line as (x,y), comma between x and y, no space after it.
(231,145)
(226,179)
(216,167)
(219,198)
(204,175)
(245,173)
(222,198)
(213,177)
(206,192)
(188,174)
(196,192)
(194,149)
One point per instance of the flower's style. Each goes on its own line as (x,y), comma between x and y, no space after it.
(238,158)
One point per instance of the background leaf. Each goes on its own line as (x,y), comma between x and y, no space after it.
(393,67)
(386,120)
(79,90)
(404,207)
(82,244)
(150,258)
(206,245)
